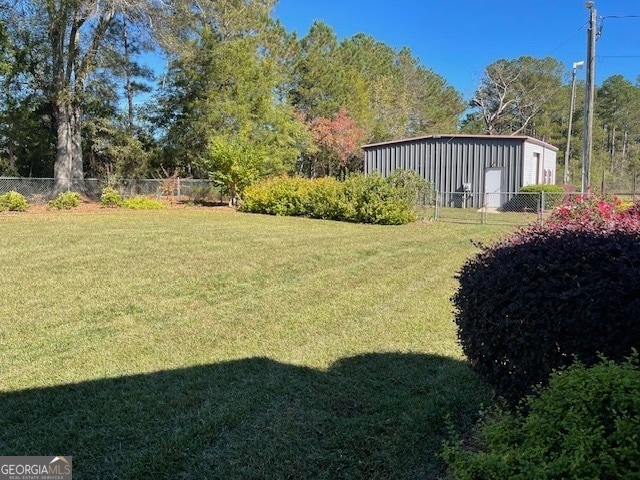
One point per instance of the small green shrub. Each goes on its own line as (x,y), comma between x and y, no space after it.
(65,201)
(110,198)
(142,203)
(13,201)
(529,198)
(552,194)
(585,424)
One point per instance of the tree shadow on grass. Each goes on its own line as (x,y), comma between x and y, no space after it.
(379,415)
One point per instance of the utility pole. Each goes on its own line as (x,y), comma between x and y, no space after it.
(576,66)
(589,99)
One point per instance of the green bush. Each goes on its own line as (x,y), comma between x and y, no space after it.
(13,201)
(329,200)
(142,203)
(584,425)
(110,198)
(286,196)
(65,201)
(412,187)
(377,201)
(363,199)
(552,195)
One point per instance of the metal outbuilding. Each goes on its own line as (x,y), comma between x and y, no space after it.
(477,164)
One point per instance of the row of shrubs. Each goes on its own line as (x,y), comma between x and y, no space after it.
(359,198)
(16,202)
(528,307)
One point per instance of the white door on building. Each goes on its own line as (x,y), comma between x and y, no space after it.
(493,187)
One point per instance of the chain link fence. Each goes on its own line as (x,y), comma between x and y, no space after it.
(41,190)
(509,208)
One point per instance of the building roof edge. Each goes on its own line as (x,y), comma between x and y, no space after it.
(457,135)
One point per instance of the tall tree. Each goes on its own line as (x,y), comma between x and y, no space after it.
(26,139)
(618,110)
(75,32)
(319,88)
(374,86)
(387,92)
(223,91)
(434,106)
(513,92)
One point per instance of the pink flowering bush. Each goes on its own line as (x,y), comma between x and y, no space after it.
(592,212)
(537,299)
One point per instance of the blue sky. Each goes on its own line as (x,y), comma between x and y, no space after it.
(459,38)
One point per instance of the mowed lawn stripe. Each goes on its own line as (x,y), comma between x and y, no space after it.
(87,296)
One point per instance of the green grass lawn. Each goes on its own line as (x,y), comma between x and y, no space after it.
(209,344)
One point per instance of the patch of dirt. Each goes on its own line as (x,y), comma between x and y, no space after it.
(88,206)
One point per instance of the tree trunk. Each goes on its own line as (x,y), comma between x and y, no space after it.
(12,160)
(127,73)
(68,169)
(70,68)
(625,147)
(612,151)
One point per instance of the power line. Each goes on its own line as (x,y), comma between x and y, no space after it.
(615,17)
(569,38)
(620,16)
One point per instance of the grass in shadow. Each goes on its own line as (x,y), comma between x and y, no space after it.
(378,415)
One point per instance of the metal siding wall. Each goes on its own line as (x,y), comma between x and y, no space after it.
(515,175)
(468,155)
(528,173)
(414,155)
(451,162)
(393,155)
(441,166)
(433,164)
(386,165)
(406,157)
(550,163)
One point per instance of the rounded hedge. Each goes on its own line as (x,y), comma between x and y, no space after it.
(110,198)
(65,201)
(13,201)
(536,300)
(584,425)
